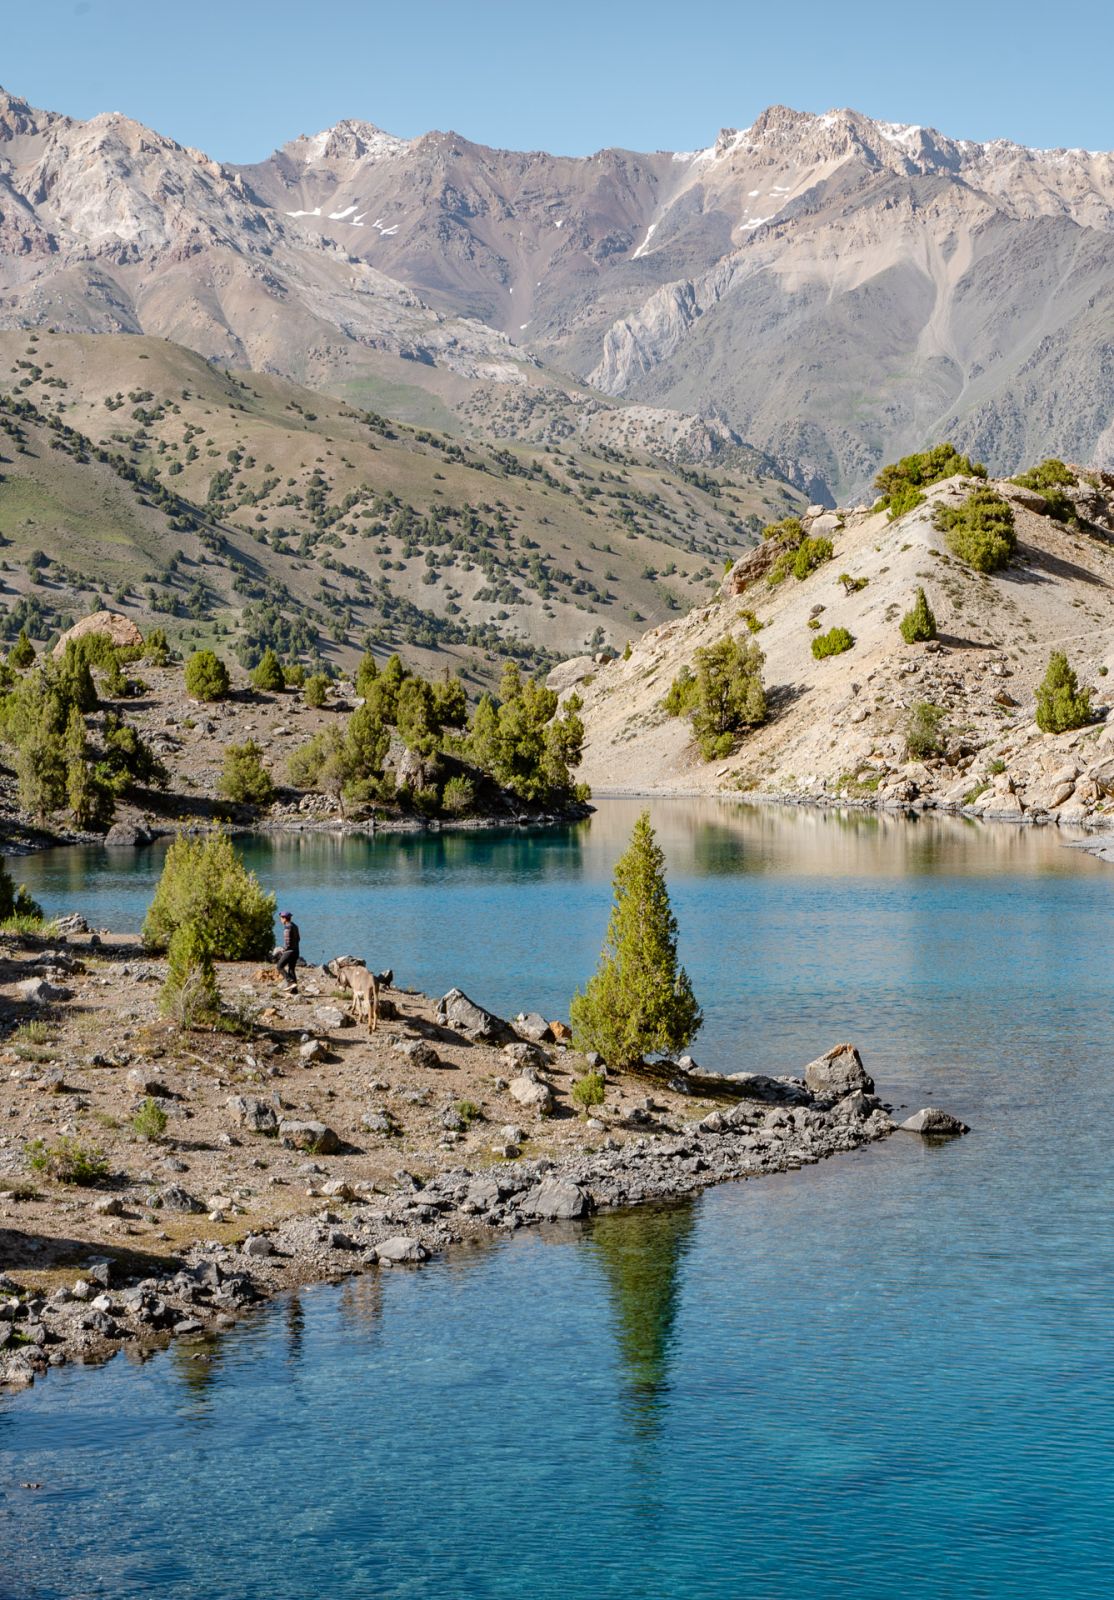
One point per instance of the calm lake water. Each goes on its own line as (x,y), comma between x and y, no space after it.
(886,1375)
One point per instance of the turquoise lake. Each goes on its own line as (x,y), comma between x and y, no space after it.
(887,1375)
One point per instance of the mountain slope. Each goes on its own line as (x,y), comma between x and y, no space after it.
(837,725)
(300,516)
(833,290)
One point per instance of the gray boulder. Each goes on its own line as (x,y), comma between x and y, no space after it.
(838,1072)
(333,1017)
(401,1250)
(251,1112)
(523,1055)
(455,1010)
(312,1050)
(258,1244)
(532,1025)
(934,1124)
(855,1107)
(315,1137)
(555,1199)
(420,1053)
(529,1092)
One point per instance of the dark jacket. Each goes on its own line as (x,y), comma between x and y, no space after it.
(291,938)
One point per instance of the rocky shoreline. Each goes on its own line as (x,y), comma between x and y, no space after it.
(665,1133)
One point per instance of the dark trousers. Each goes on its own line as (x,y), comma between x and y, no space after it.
(287,964)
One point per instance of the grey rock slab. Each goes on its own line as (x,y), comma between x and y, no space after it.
(401,1249)
(174,1198)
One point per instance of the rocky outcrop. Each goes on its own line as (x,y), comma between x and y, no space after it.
(837,1073)
(121,631)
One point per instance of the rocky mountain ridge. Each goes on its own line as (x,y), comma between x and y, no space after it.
(832,289)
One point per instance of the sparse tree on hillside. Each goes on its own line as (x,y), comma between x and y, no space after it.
(268,675)
(22,653)
(919,624)
(1061,703)
(206,676)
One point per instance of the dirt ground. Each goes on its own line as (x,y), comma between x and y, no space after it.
(81,1068)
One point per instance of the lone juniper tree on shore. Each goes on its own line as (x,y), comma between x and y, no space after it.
(640,1000)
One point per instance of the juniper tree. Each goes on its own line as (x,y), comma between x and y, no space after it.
(919,624)
(1061,703)
(639,1001)
(268,674)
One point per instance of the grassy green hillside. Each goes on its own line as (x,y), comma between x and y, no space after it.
(247,510)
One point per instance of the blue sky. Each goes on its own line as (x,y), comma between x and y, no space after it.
(239,77)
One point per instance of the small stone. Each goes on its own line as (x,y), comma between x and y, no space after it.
(531,1025)
(315,1137)
(333,1017)
(401,1249)
(258,1245)
(174,1198)
(313,1050)
(934,1124)
(528,1092)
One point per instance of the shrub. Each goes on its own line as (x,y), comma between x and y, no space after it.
(1061,703)
(800,560)
(206,676)
(589,1090)
(832,643)
(919,624)
(789,532)
(1050,474)
(458,796)
(295,675)
(68,1161)
(189,994)
(366,674)
(316,690)
(150,1120)
(682,696)
(156,650)
(468,1112)
(16,902)
(900,483)
(22,653)
(1058,506)
(204,882)
(640,999)
(729,694)
(268,674)
(924,731)
(852,585)
(244,779)
(980,531)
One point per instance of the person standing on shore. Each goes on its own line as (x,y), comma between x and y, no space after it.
(287,961)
